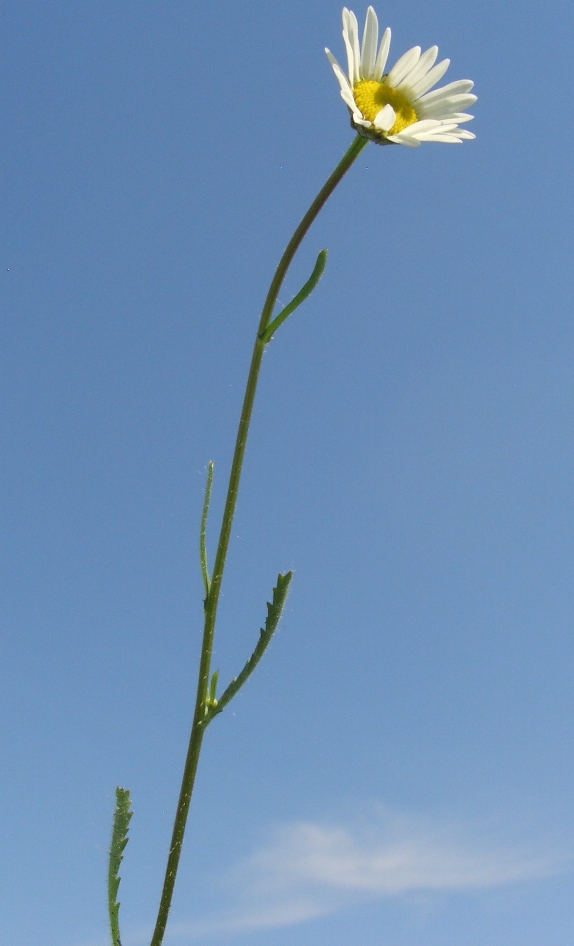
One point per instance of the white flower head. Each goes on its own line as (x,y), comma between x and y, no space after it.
(397,106)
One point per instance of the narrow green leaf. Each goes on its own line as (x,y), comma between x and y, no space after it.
(299,298)
(213,687)
(202,547)
(274,611)
(122,816)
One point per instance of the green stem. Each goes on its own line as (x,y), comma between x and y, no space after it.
(212,599)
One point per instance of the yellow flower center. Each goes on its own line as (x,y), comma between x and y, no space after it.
(371,96)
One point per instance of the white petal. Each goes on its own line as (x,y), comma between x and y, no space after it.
(359,120)
(348,47)
(341,77)
(331,58)
(463,133)
(425,63)
(453,88)
(461,98)
(444,108)
(432,77)
(369,48)
(400,140)
(446,131)
(417,127)
(383,55)
(348,99)
(464,99)
(385,119)
(447,139)
(353,29)
(403,66)
(447,105)
(336,67)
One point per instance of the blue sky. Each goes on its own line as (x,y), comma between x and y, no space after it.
(399,771)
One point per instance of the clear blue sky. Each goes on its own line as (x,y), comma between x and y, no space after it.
(399,771)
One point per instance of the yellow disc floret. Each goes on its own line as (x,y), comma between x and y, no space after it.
(371,96)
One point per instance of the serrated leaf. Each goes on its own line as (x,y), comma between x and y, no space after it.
(274,611)
(122,817)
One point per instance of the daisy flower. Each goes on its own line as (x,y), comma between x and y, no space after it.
(397,106)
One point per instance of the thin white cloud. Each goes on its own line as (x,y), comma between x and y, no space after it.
(394,862)
(308,870)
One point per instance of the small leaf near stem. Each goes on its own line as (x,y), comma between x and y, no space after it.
(212,698)
(122,817)
(274,611)
(299,298)
(202,547)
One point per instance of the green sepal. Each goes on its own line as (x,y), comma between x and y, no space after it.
(122,817)
(274,611)
(299,298)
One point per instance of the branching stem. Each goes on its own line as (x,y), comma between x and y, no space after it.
(212,598)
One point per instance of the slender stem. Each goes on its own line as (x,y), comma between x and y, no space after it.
(212,599)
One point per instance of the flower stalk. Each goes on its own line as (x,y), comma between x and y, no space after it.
(204,700)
